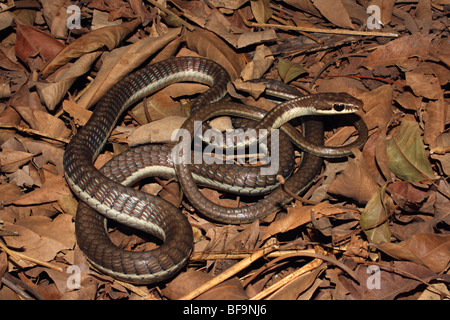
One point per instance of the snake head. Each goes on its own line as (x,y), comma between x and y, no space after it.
(337,103)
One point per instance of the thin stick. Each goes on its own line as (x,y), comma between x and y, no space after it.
(317,30)
(32,132)
(228,273)
(294,275)
(18,256)
(216,255)
(170,13)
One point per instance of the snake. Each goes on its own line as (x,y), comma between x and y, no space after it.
(109,194)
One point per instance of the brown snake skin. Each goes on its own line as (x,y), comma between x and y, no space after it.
(152,214)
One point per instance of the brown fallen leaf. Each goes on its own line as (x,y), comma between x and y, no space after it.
(398,52)
(92,41)
(422,84)
(407,196)
(378,106)
(52,93)
(334,11)
(79,114)
(369,153)
(59,229)
(386,281)
(409,101)
(160,131)
(33,244)
(44,122)
(297,216)
(9,192)
(188,281)
(52,190)
(31,42)
(11,160)
(428,249)
(435,119)
(260,63)
(120,62)
(356,171)
(374,218)
(208,45)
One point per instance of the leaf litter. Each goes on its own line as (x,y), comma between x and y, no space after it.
(373,226)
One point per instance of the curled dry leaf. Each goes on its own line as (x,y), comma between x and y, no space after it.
(122,61)
(208,45)
(260,63)
(108,37)
(52,93)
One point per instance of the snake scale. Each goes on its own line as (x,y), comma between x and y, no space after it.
(108,192)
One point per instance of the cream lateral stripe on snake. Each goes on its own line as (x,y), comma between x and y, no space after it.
(140,210)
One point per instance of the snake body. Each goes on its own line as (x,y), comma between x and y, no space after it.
(151,214)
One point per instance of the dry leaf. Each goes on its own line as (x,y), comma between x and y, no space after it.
(431,250)
(44,122)
(160,131)
(92,41)
(335,12)
(261,10)
(120,62)
(212,47)
(11,160)
(78,113)
(406,154)
(31,42)
(374,219)
(35,245)
(52,93)
(186,282)
(261,62)
(345,185)
(398,52)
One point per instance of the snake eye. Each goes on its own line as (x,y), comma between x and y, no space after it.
(339,106)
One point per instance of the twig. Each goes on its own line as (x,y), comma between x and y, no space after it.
(15,288)
(188,26)
(292,194)
(228,273)
(17,285)
(218,255)
(317,30)
(32,132)
(332,62)
(17,256)
(294,275)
